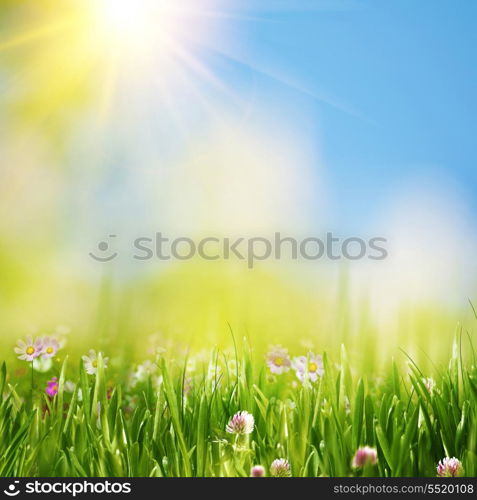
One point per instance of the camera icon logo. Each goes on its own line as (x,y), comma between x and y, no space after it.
(105,253)
(12,490)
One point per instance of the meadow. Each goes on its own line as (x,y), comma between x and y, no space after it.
(296,414)
(236,119)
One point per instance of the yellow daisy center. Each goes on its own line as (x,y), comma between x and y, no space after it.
(30,350)
(278,361)
(49,350)
(312,367)
(95,363)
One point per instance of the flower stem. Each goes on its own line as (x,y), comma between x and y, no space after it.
(31,394)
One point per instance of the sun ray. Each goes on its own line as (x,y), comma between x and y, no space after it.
(286,81)
(100,46)
(201,69)
(52,29)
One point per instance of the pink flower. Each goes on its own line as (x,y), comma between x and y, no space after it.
(50,347)
(365,455)
(278,359)
(29,349)
(450,467)
(52,387)
(308,367)
(280,468)
(241,423)
(257,471)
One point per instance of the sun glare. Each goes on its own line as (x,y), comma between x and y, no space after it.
(131,22)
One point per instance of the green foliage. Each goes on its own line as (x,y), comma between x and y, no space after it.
(174,430)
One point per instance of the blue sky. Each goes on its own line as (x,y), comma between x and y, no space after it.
(394,85)
(368,104)
(384,90)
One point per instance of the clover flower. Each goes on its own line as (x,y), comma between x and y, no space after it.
(257,471)
(280,468)
(91,362)
(365,455)
(450,467)
(52,387)
(278,359)
(241,423)
(29,349)
(308,367)
(50,347)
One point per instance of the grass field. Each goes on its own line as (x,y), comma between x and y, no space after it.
(169,416)
(242,133)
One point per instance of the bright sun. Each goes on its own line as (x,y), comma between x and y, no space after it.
(154,49)
(136,23)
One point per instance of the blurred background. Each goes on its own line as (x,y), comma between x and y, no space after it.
(232,118)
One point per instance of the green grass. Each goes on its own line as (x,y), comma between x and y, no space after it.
(153,429)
